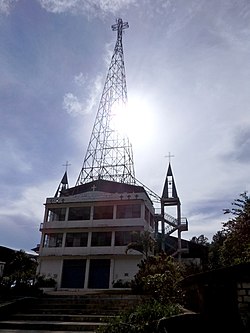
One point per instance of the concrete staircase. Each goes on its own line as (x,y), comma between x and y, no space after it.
(66,313)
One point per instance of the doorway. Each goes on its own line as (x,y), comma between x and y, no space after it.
(99,272)
(73,273)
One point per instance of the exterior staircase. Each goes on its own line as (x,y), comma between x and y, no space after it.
(65,313)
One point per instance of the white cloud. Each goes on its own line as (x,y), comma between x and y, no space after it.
(109,47)
(92,7)
(80,79)
(28,204)
(75,107)
(6,5)
(72,105)
(12,154)
(94,94)
(24,215)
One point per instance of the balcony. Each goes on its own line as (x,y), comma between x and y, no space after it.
(86,251)
(108,223)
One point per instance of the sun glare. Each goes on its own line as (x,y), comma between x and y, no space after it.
(135,120)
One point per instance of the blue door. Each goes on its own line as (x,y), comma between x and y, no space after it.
(73,273)
(99,271)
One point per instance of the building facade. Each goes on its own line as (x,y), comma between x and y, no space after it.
(86,230)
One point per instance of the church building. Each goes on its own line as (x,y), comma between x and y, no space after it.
(86,228)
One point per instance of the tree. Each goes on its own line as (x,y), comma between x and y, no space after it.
(160,277)
(20,270)
(144,244)
(214,255)
(236,245)
(231,245)
(202,240)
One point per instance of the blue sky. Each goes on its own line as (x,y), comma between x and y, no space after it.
(188,73)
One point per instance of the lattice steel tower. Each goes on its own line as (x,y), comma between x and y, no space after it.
(109,154)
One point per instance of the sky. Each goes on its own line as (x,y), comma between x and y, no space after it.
(188,74)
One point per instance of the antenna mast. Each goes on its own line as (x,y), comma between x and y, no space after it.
(109,154)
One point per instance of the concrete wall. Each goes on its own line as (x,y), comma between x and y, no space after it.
(222,297)
(53,266)
(125,269)
(243,291)
(120,269)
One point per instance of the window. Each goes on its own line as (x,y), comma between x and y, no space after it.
(57,214)
(76,239)
(79,213)
(123,238)
(128,211)
(101,239)
(152,222)
(147,217)
(53,240)
(103,212)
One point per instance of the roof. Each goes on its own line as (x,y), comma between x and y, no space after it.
(169,193)
(7,252)
(104,186)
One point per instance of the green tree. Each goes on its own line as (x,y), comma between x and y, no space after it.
(160,277)
(20,270)
(236,245)
(202,240)
(215,248)
(144,244)
(231,245)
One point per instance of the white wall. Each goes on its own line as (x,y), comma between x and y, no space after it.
(125,269)
(53,266)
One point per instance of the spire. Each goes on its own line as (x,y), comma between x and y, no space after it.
(169,191)
(109,154)
(64,185)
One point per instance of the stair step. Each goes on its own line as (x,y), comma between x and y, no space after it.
(80,306)
(65,314)
(86,302)
(108,311)
(60,317)
(52,325)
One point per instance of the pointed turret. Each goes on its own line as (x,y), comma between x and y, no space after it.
(64,185)
(169,194)
(170,224)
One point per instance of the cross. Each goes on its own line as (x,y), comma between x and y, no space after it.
(66,165)
(169,156)
(119,26)
(93,188)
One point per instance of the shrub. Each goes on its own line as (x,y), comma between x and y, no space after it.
(121,284)
(141,319)
(43,282)
(164,288)
(159,276)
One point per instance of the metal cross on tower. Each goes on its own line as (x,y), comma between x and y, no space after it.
(109,154)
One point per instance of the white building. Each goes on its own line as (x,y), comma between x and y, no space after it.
(86,230)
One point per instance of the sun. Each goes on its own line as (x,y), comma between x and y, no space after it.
(135,120)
